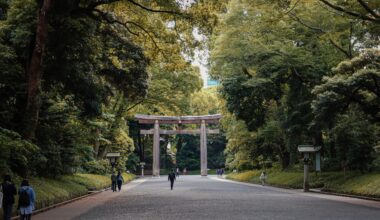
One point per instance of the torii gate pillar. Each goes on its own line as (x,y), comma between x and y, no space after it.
(203,149)
(156,149)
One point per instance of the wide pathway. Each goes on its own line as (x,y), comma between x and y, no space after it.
(199,198)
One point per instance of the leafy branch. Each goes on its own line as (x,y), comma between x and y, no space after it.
(375,18)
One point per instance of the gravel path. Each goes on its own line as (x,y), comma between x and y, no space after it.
(199,198)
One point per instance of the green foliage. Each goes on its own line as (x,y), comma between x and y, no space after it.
(268,71)
(16,153)
(97,167)
(94,71)
(132,163)
(188,155)
(355,139)
(240,144)
(355,82)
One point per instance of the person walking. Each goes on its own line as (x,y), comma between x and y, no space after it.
(263,178)
(177,173)
(9,191)
(171,178)
(113,180)
(26,200)
(120,180)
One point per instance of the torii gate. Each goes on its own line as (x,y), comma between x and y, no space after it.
(203,131)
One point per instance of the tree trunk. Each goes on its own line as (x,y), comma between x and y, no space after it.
(97,143)
(34,70)
(284,155)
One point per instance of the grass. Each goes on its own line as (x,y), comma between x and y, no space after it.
(354,183)
(60,189)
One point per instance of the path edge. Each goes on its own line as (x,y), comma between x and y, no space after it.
(90,193)
(316,191)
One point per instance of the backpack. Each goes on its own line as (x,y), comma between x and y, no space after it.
(24,199)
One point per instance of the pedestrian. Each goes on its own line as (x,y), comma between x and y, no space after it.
(113,180)
(177,173)
(263,178)
(184,171)
(26,200)
(9,191)
(120,180)
(222,172)
(171,178)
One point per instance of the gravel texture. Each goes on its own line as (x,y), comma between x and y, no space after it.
(200,198)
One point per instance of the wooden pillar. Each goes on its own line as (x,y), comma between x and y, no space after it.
(156,149)
(203,149)
(306,173)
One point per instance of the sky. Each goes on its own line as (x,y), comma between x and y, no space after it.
(201,57)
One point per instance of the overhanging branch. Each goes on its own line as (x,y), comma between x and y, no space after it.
(105,16)
(367,8)
(351,13)
(321,31)
(154,10)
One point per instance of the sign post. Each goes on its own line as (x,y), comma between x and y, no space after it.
(307,150)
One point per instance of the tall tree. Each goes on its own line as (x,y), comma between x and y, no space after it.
(34,70)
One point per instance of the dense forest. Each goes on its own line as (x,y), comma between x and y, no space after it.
(74,73)
(299,72)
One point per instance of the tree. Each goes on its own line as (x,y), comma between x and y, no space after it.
(269,67)
(355,139)
(354,82)
(267,72)
(34,70)
(92,72)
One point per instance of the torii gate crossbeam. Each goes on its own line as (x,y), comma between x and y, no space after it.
(203,131)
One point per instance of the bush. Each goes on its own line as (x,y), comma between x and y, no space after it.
(97,167)
(15,153)
(376,164)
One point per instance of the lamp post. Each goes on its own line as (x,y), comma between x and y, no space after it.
(142,168)
(113,157)
(307,150)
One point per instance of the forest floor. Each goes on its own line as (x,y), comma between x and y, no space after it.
(351,183)
(51,191)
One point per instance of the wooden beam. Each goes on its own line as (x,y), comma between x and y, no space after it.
(150,119)
(146,121)
(180,131)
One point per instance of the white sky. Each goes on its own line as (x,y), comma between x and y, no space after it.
(201,57)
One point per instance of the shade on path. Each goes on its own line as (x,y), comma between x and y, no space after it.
(199,198)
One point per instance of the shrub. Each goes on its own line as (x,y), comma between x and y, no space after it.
(97,167)
(15,152)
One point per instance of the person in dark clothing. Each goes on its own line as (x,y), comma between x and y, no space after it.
(113,180)
(120,180)
(9,192)
(171,178)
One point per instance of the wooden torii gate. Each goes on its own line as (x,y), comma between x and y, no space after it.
(156,131)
